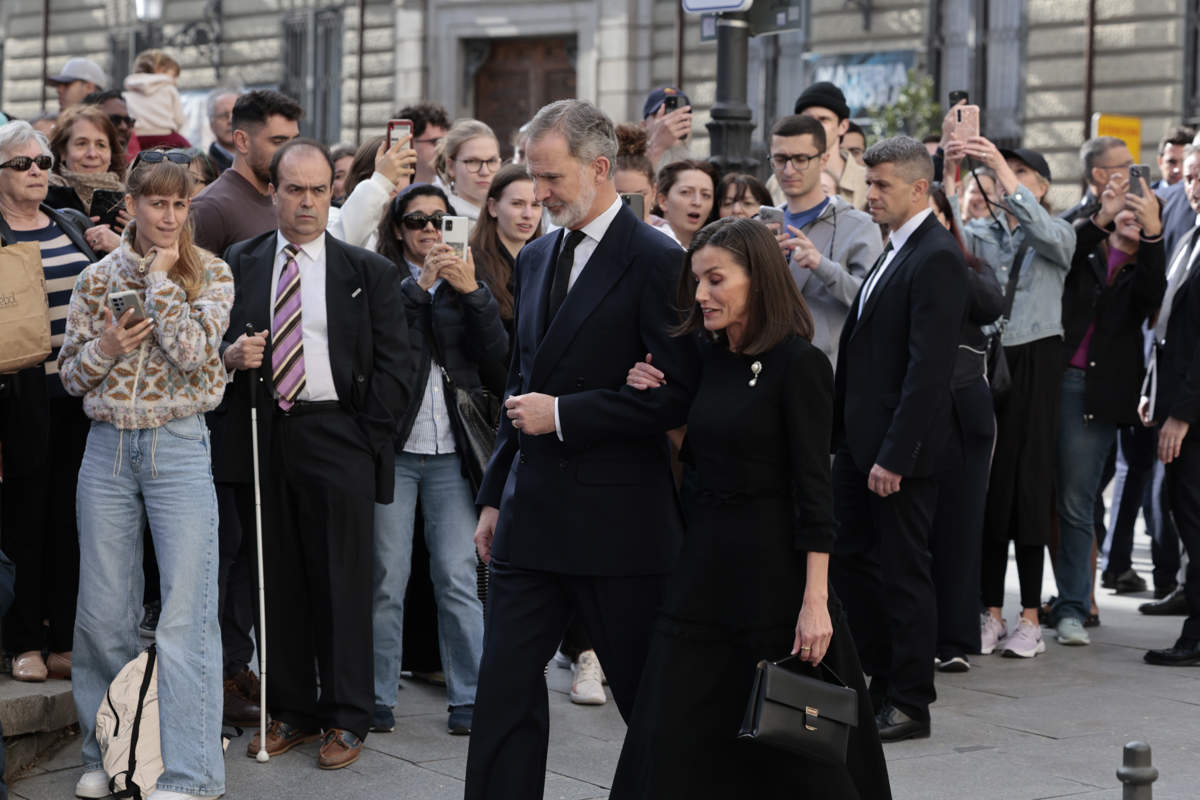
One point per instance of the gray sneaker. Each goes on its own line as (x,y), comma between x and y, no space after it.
(992,632)
(1070,632)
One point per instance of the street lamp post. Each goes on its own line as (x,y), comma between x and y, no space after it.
(730,127)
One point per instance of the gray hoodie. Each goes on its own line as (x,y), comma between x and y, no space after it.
(849,243)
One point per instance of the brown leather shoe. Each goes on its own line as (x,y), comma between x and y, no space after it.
(29,667)
(59,665)
(249,686)
(239,710)
(339,749)
(281,737)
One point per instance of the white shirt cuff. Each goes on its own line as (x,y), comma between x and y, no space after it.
(557,421)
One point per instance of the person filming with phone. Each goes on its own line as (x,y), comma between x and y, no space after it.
(147,375)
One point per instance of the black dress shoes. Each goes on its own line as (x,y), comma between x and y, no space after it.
(896,726)
(1128,582)
(1185,653)
(1173,605)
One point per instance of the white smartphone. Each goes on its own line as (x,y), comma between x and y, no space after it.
(121,302)
(455,232)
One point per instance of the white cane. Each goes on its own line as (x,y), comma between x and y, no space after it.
(262,602)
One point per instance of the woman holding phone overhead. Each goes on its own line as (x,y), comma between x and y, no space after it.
(146,386)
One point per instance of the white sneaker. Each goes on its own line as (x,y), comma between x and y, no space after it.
(992,631)
(588,687)
(1025,642)
(163,794)
(93,783)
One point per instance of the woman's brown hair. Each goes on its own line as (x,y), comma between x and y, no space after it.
(93,114)
(775,309)
(363,165)
(631,151)
(746,185)
(168,179)
(491,265)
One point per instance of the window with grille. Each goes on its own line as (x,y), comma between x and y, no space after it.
(312,70)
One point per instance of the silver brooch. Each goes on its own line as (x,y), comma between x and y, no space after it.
(755,368)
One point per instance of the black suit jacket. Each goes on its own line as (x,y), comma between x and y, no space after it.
(895,361)
(368,353)
(601,502)
(1177,215)
(1177,360)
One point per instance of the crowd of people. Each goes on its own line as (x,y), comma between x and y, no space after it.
(653,416)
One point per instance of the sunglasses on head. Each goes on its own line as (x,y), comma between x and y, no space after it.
(417,221)
(23,163)
(155,156)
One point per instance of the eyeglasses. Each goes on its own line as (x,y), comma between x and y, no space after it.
(799,162)
(119,120)
(155,156)
(477,164)
(23,163)
(417,221)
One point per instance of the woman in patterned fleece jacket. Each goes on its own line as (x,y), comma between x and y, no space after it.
(146,388)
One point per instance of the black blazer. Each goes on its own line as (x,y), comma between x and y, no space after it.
(1178,356)
(368,353)
(892,383)
(601,502)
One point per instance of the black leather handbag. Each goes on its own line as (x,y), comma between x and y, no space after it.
(803,714)
(478,417)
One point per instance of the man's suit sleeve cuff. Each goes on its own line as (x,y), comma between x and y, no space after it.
(557,421)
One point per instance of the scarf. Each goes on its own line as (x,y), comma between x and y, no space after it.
(84,183)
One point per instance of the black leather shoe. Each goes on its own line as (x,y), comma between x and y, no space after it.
(1185,653)
(896,726)
(1162,591)
(1173,605)
(1129,582)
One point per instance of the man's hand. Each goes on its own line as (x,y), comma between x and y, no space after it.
(246,352)
(531,413)
(804,252)
(485,531)
(883,482)
(665,130)
(1170,439)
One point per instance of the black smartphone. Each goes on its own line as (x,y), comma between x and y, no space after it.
(671,102)
(1137,171)
(958,96)
(106,204)
(636,203)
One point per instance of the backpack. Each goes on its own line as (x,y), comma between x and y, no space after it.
(127,729)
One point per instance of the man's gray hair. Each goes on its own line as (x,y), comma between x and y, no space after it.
(216,94)
(908,154)
(1093,150)
(1190,150)
(17,134)
(589,132)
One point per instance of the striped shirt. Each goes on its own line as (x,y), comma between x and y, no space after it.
(61,262)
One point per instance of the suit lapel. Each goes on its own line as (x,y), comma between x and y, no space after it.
(602,271)
(893,268)
(541,286)
(344,304)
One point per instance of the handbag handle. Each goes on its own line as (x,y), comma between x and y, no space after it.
(822,665)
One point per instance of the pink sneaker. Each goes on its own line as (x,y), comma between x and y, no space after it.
(991,632)
(1025,641)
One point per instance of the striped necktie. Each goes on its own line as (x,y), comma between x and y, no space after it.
(287,338)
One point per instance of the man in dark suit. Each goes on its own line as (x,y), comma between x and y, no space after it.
(892,416)
(1172,401)
(579,511)
(333,378)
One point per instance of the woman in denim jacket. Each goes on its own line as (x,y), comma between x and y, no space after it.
(1020,489)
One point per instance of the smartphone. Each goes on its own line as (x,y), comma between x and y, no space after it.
(771,214)
(1135,172)
(958,96)
(455,232)
(397,129)
(121,302)
(106,204)
(670,103)
(636,203)
(966,122)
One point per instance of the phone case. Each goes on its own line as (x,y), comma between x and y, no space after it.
(455,232)
(966,122)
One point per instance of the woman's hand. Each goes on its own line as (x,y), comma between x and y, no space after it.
(123,219)
(1145,207)
(397,163)
(1112,202)
(458,273)
(117,340)
(102,238)
(164,258)
(643,376)
(814,631)
(434,260)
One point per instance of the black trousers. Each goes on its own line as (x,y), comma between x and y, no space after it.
(526,616)
(1183,493)
(40,537)
(956,540)
(237,576)
(881,569)
(318,556)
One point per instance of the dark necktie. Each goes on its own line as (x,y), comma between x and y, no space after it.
(562,273)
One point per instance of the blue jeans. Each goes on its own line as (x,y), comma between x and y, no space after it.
(450,518)
(163,475)
(1083,447)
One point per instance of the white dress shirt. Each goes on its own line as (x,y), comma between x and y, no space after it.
(593,232)
(318,375)
(431,433)
(898,238)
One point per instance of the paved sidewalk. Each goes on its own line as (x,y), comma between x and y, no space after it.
(1009,729)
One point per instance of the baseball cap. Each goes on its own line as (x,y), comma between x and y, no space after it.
(80,69)
(1031,158)
(825,95)
(657,97)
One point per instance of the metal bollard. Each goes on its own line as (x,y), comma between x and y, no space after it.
(1136,773)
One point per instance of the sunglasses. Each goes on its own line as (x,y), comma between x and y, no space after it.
(23,163)
(120,120)
(417,221)
(155,156)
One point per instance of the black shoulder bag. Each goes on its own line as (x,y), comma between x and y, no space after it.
(998,376)
(478,416)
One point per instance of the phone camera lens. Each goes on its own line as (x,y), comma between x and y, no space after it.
(448,225)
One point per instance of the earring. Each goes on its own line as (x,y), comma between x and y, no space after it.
(755,368)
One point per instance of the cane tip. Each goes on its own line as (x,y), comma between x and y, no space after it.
(263,757)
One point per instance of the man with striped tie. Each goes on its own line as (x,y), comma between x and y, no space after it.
(334,370)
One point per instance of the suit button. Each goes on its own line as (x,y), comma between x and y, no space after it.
(523,461)
(579,383)
(520,377)
(562,464)
(360,378)
(1091,363)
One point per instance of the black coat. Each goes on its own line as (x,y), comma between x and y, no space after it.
(1116,360)
(895,361)
(465,335)
(65,197)
(1178,356)
(368,352)
(602,501)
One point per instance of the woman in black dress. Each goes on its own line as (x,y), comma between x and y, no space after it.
(751,582)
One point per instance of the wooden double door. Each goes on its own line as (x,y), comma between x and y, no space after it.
(517,77)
